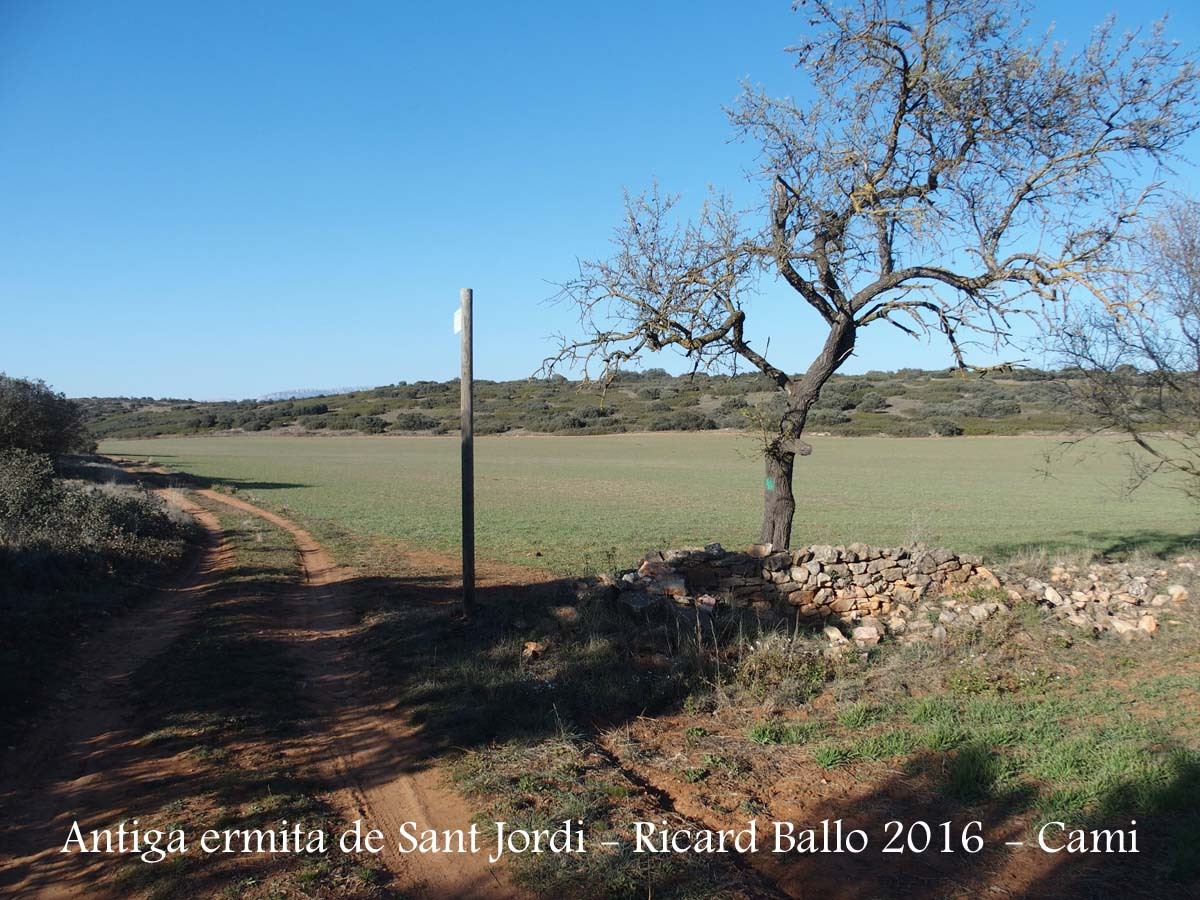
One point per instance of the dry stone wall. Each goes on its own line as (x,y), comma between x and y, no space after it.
(911,593)
(822,581)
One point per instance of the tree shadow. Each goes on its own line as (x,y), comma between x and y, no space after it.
(1166,864)
(1110,544)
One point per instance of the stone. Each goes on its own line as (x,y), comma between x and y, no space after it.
(938,633)
(777,562)
(1160,600)
(1054,597)
(707,602)
(842,604)
(823,553)
(637,600)
(671,585)
(1121,626)
(714,550)
(1148,624)
(835,635)
(600,592)
(941,556)
(803,597)
(946,617)
(566,616)
(866,635)
(655,568)
(980,612)
(1178,593)
(897,625)
(987,577)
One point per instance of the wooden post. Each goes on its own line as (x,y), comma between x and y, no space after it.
(467,402)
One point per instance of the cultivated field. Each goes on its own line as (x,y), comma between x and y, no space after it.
(578,500)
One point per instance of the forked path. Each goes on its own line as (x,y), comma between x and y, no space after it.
(370,752)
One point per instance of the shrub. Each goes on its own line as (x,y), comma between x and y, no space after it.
(945,427)
(684,420)
(33,417)
(415,421)
(872,401)
(732,404)
(68,551)
(825,417)
(370,425)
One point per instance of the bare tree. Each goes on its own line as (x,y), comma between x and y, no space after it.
(1138,368)
(946,175)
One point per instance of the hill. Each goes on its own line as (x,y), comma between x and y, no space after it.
(909,402)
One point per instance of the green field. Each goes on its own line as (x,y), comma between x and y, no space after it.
(579,501)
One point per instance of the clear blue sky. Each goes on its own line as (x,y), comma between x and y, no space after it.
(216,199)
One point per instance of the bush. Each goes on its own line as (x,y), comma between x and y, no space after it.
(824,417)
(945,427)
(732,404)
(685,420)
(415,421)
(370,425)
(68,551)
(872,401)
(35,418)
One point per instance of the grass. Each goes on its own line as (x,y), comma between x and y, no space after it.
(570,504)
(767,733)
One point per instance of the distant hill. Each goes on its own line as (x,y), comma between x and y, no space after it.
(909,402)
(305,393)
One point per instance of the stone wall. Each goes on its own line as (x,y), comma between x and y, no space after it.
(844,583)
(910,593)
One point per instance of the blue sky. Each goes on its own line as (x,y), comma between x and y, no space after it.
(214,199)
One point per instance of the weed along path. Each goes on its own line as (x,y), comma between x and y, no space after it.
(84,759)
(365,742)
(232,626)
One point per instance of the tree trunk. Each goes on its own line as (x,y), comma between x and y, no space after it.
(778,503)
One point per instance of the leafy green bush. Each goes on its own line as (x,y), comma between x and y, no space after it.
(871,401)
(370,425)
(33,417)
(69,551)
(415,421)
(824,417)
(685,420)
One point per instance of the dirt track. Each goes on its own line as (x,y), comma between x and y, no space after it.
(84,759)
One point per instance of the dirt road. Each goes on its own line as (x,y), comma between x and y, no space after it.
(84,759)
